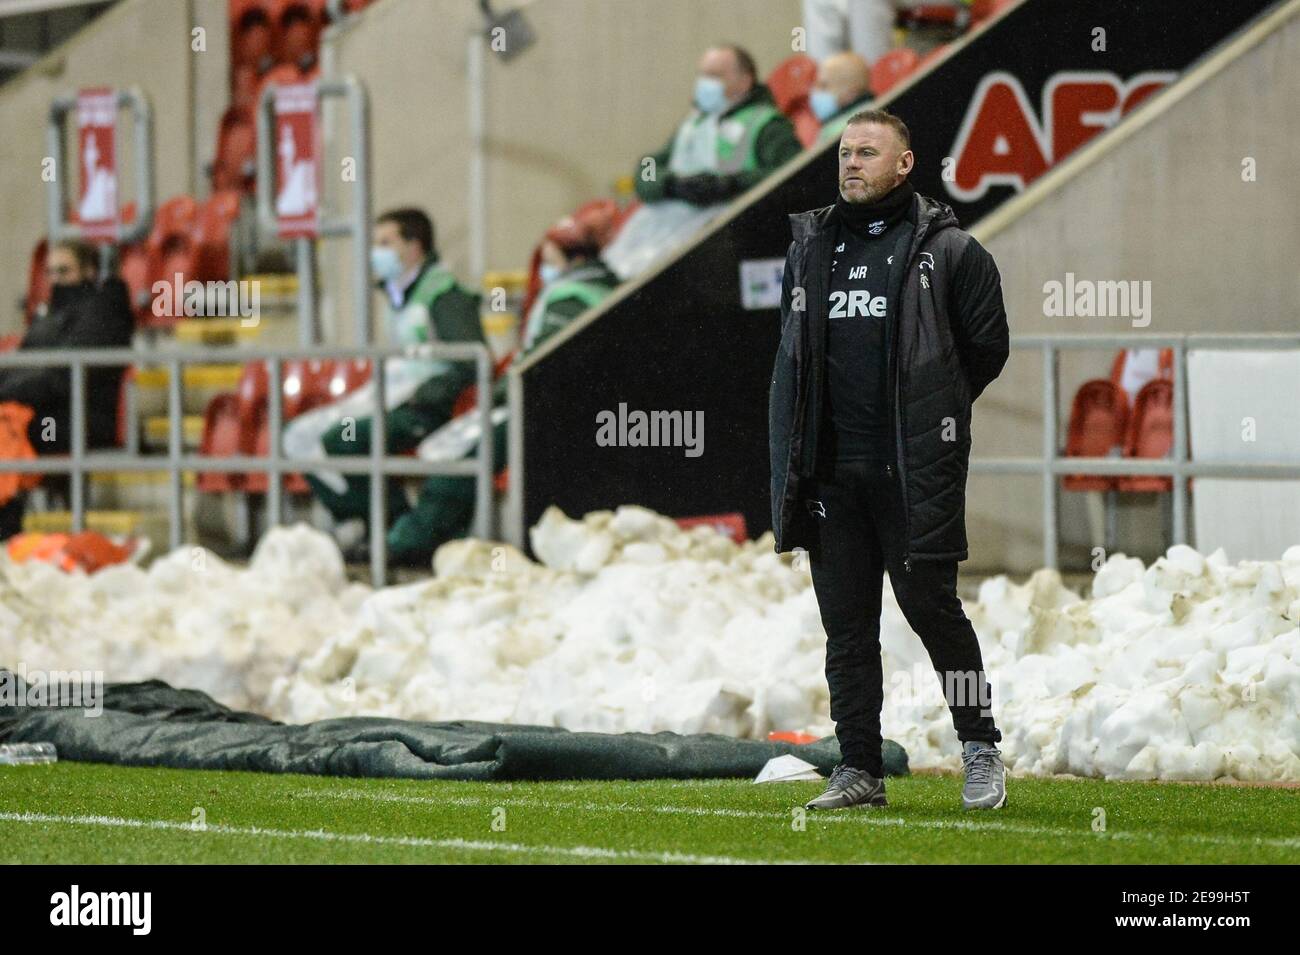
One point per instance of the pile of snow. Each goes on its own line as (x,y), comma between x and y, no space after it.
(1188,669)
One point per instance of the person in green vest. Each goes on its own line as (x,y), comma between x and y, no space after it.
(425,304)
(574,279)
(843,87)
(733,138)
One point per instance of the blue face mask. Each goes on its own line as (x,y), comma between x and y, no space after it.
(548,273)
(385,263)
(710,96)
(824,105)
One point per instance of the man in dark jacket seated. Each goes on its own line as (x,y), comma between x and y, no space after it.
(81,314)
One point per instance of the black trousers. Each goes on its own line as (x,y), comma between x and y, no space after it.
(858,511)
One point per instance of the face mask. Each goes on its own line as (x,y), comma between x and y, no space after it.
(710,96)
(385,263)
(548,273)
(824,105)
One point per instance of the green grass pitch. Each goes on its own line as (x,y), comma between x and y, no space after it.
(87,813)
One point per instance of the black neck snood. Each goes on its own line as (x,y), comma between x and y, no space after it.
(889,208)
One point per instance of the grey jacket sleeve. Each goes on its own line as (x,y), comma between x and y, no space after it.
(978,318)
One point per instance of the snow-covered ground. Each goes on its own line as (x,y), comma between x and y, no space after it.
(1188,669)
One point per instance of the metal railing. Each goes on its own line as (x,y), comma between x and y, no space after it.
(175,462)
(1052,464)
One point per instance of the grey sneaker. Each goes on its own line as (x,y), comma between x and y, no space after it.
(849,787)
(986,777)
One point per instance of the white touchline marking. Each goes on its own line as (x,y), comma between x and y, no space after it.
(864,816)
(472,845)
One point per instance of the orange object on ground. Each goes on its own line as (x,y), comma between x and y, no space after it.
(732,524)
(88,550)
(14,419)
(789,736)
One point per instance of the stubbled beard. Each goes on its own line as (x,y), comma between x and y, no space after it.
(875,189)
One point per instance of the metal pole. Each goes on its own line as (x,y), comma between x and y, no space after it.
(274,404)
(477,160)
(515,459)
(56,150)
(1180,443)
(174,453)
(364,297)
(378,488)
(142,114)
(1049,455)
(265,162)
(78,424)
(485,511)
(305,250)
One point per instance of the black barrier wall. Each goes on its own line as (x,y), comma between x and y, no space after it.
(1016,99)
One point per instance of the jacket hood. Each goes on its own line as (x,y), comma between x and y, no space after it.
(931,216)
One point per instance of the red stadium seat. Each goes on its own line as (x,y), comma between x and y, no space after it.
(303,387)
(347,376)
(1098,418)
(981,10)
(235,164)
(252,34)
(893,67)
(243,86)
(299,28)
(1150,434)
(792,81)
(38,286)
(211,235)
(221,439)
(169,250)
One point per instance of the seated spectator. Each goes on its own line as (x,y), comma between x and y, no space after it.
(843,87)
(425,304)
(81,314)
(733,138)
(576,279)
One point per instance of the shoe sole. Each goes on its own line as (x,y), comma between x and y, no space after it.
(873,803)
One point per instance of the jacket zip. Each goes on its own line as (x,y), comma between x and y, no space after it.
(898,404)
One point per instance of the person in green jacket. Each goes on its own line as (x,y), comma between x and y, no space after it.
(733,138)
(574,280)
(425,304)
(842,88)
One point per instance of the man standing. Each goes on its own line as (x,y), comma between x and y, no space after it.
(892,326)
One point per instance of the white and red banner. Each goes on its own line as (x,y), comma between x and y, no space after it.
(97,207)
(297,161)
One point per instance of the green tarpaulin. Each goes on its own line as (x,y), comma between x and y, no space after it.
(153,724)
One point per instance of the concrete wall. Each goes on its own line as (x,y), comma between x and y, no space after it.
(1167,205)
(145,43)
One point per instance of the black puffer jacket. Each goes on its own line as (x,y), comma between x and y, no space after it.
(947,336)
